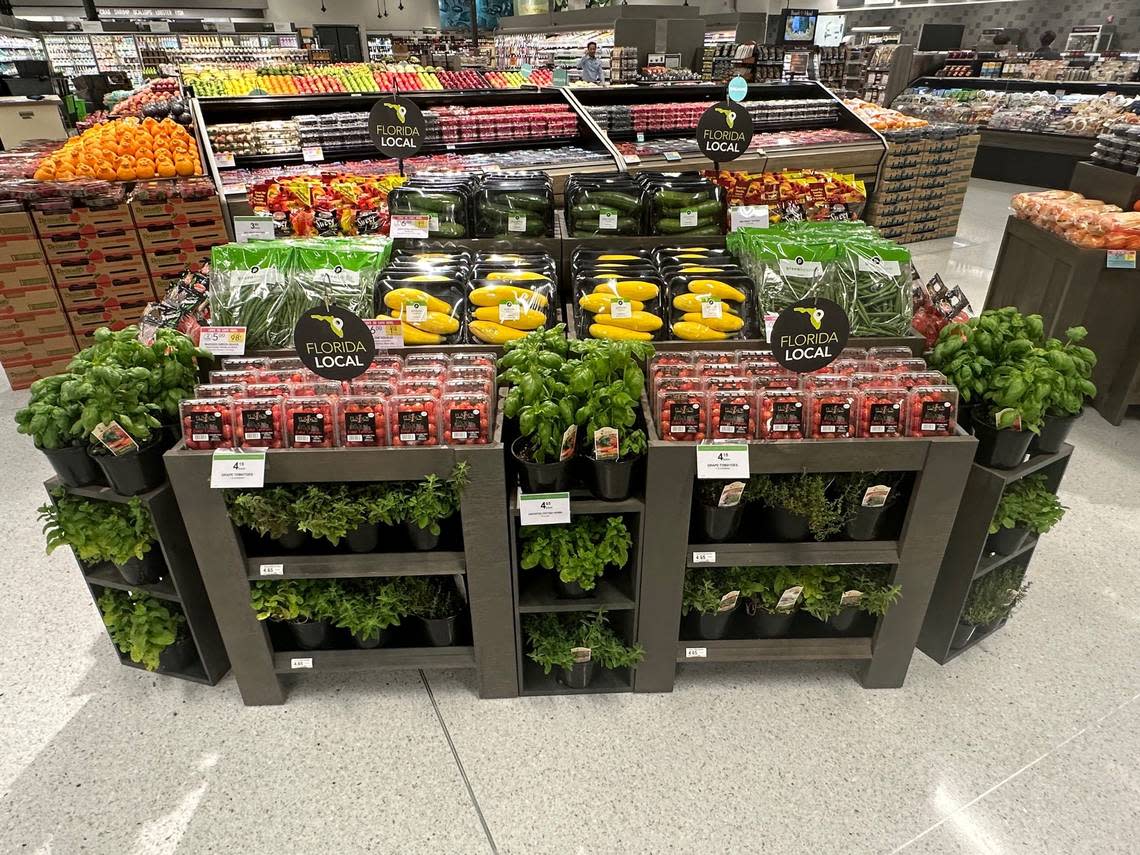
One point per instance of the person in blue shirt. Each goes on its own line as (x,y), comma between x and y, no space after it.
(589,65)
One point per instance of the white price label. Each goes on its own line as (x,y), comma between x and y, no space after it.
(509,310)
(305,662)
(748,216)
(631,159)
(1121,259)
(621,308)
(874,264)
(640,136)
(672,156)
(223,341)
(312,153)
(689,218)
(712,307)
(253,228)
(607,221)
(544,508)
(415,313)
(271,570)
(801,269)
(234,468)
(704,558)
(433,222)
(696,652)
(386,332)
(409,226)
(516,224)
(224,160)
(722,460)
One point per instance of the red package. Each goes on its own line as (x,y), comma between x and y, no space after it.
(933,411)
(782,413)
(413,420)
(309,422)
(681,416)
(362,421)
(833,414)
(732,414)
(466,418)
(206,423)
(258,422)
(882,413)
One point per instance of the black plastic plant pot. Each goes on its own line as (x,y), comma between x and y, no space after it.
(364,538)
(708,625)
(73,466)
(609,480)
(787,527)
(541,477)
(999,449)
(577,677)
(1006,541)
(177,656)
(846,622)
(441,632)
(421,538)
(867,524)
(987,628)
(376,639)
(143,571)
(571,590)
(765,624)
(1054,432)
(962,635)
(169,434)
(292,540)
(136,471)
(719,523)
(309,634)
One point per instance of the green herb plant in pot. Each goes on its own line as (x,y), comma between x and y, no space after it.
(772,596)
(575,644)
(98,531)
(797,505)
(708,601)
(866,500)
(271,512)
(435,605)
(578,551)
(303,606)
(383,505)
(991,600)
(429,502)
(1026,506)
(368,608)
(848,596)
(1074,364)
(152,633)
(55,428)
(720,508)
(330,512)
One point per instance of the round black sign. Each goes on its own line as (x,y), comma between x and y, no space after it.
(809,334)
(333,342)
(724,131)
(397,126)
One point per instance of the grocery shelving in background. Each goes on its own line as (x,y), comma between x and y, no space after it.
(556,50)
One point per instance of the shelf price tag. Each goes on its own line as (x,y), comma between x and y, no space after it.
(1121,259)
(409,226)
(704,558)
(641,136)
(235,468)
(696,652)
(253,228)
(224,160)
(301,662)
(631,158)
(722,460)
(271,570)
(672,155)
(748,216)
(312,153)
(386,332)
(223,341)
(544,508)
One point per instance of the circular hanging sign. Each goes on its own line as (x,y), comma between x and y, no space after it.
(724,131)
(396,126)
(809,335)
(334,343)
(737,88)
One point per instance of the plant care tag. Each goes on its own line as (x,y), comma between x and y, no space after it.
(409,226)
(728,602)
(607,221)
(516,223)
(722,460)
(850,598)
(704,558)
(711,307)
(223,341)
(876,496)
(237,468)
(114,438)
(312,153)
(1121,259)
(621,308)
(789,598)
(731,495)
(689,218)
(696,652)
(301,662)
(271,570)
(581,654)
(606,444)
(386,332)
(415,313)
(569,439)
(544,508)
(509,310)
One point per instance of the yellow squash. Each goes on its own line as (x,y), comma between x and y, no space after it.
(493,333)
(415,336)
(601,302)
(529,319)
(640,321)
(693,303)
(607,331)
(396,299)
(428,277)
(618,257)
(439,323)
(492,295)
(516,276)
(727,322)
(717,288)
(691,331)
(633,289)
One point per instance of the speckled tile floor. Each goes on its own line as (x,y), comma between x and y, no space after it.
(1026,745)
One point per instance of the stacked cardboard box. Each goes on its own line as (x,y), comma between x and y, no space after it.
(35,337)
(177,234)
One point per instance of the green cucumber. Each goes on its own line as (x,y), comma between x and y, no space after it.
(679,199)
(621,201)
(433,202)
(708,208)
(449,230)
(526,201)
(672,225)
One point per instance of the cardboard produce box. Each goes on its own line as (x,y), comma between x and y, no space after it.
(23,372)
(170,262)
(96,246)
(110,267)
(38,347)
(188,236)
(26,274)
(84,295)
(18,326)
(18,300)
(83,221)
(176,211)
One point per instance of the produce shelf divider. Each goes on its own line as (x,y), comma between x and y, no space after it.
(941,466)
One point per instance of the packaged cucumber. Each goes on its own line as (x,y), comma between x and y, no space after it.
(445,201)
(510,207)
(707,307)
(604,205)
(683,203)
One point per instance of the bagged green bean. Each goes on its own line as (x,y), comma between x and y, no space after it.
(875,276)
(250,287)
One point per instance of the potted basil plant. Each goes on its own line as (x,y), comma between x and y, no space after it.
(52,420)
(578,551)
(1026,506)
(98,531)
(1074,365)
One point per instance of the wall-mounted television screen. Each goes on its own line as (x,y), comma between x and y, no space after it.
(940,36)
(799,26)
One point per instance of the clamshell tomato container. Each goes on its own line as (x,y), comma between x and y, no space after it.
(258,422)
(362,421)
(465,417)
(824,381)
(682,416)
(882,413)
(207,423)
(732,414)
(890,352)
(933,411)
(309,422)
(413,419)
(782,413)
(243,363)
(314,388)
(833,414)
(267,390)
(250,376)
(420,382)
(219,390)
(473,360)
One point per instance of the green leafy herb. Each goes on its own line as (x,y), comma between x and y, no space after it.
(994,596)
(552,636)
(140,625)
(580,550)
(96,530)
(1028,503)
(433,597)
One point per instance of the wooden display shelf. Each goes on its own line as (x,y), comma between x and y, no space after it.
(106,576)
(771,649)
(379,658)
(995,560)
(537,595)
(364,565)
(757,554)
(605,681)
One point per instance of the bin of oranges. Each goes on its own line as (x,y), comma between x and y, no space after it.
(124,150)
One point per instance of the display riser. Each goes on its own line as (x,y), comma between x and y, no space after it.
(1040,160)
(941,466)
(182,582)
(966,559)
(221,549)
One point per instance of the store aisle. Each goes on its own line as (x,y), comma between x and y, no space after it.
(1028,744)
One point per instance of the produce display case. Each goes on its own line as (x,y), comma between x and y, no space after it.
(16,46)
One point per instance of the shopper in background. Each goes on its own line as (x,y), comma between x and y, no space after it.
(1004,48)
(1047,51)
(589,65)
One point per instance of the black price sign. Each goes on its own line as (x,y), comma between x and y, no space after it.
(809,335)
(724,131)
(396,126)
(334,343)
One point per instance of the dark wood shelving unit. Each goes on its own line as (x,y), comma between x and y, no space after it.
(727,554)
(772,649)
(181,582)
(966,558)
(371,564)
(381,658)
